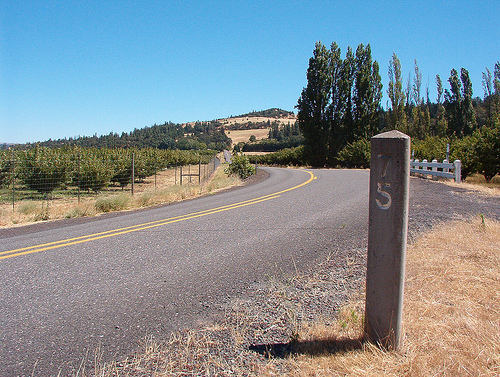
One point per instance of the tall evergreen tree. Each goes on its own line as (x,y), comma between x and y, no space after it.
(340,96)
(491,86)
(452,101)
(312,107)
(419,124)
(367,95)
(441,122)
(468,115)
(397,115)
(458,104)
(341,103)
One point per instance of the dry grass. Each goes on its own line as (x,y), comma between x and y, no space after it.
(451,323)
(451,313)
(242,120)
(238,136)
(164,188)
(477,183)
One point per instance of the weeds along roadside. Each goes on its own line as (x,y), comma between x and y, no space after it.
(450,323)
(149,194)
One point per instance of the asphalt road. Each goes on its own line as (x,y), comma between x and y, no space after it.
(71,287)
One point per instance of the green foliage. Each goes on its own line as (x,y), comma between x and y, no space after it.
(312,104)
(279,137)
(341,102)
(271,145)
(43,169)
(241,166)
(430,148)
(458,104)
(397,115)
(464,149)
(488,152)
(201,135)
(94,172)
(6,169)
(356,154)
(283,157)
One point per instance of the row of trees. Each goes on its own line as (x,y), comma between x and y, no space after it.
(198,136)
(44,169)
(269,113)
(340,109)
(341,102)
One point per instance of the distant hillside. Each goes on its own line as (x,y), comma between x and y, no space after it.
(198,136)
(255,120)
(269,113)
(192,135)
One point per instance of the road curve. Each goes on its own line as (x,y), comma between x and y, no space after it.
(71,287)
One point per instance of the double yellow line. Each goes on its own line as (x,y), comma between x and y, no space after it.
(143,226)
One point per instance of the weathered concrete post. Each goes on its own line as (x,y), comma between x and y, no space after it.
(387,234)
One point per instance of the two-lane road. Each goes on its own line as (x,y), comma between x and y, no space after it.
(70,287)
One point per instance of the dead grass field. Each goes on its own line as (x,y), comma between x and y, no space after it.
(239,136)
(476,182)
(451,312)
(243,120)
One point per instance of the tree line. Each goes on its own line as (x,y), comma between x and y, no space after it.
(340,109)
(199,136)
(269,113)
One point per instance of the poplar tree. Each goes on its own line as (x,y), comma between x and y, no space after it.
(458,104)
(419,126)
(441,123)
(468,115)
(341,102)
(491,86)
(367,95)
(340,97)
(397,115)
(452,101)
(312,107)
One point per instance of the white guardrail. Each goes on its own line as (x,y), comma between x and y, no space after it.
(438,169)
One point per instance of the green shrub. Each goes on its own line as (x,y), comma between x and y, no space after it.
(431,148)
(488,151)
(355,155)
(241,166)
(465,150)
(284,157)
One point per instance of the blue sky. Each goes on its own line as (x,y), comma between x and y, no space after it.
(70,68)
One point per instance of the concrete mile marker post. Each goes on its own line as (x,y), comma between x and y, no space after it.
(387,236)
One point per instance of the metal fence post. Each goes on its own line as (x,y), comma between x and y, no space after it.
(133,172)
(13,176)
(387,237)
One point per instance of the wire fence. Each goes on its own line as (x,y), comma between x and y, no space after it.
(52,177)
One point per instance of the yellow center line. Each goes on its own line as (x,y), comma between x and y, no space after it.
(143,226)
